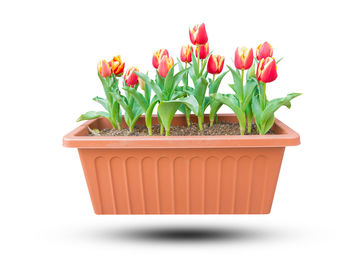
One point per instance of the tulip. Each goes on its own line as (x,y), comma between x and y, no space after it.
(165,65)
(117,65)
(198,34)
(185,54)
(104,69)
(215,64)
(243,58)
(267,70)
(130,77)
(203,51)
(141,83)
(157,57)
(264,50)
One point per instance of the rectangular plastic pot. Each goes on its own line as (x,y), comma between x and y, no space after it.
(181,174)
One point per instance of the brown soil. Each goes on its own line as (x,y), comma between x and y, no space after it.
(221,128)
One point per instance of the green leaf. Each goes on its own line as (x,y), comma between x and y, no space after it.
(237,83)
(199,90)
(273,105)
(168,83)
(279,60)
(176,80)
(257,111)
(213,89)
(249,88)
(195,65)
(149,112)
(157,90)
(206,103)
(103,102)
(128,111)
(166,111)
(269,123)
(159,80)
(214,108)
(93,115)
(138,97)
(232,103)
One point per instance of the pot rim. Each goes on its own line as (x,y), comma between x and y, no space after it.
(77,138)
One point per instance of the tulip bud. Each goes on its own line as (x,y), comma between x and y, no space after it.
(198,34)
(185,54)
(117,65)
(141,83)
(130,77)
(203,51)
(244,58)
(267,70)
(264,50)
(157,57)
(104,69)
(165,65)
(215,64)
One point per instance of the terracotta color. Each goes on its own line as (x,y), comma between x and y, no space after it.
(181,175)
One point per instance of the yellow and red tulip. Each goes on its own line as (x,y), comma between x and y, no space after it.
(215,64)
(117,65)
(198,34)
(243,58)
(130,77)
(164,66)
(104,69)
(264,50)
(267,70)
(203,51)
(185,54)
(141,83)
(157,57)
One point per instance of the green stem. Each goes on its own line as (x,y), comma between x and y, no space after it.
(242,130)
(113,124)
(198,47)
(249,127)
(167,132)
(118,125)
(150,130)
(200,121)
(264,95)
(161,129)
(211,122)
(131,128)
(213,78)
(187,114)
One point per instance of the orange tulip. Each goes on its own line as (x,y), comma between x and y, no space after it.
(215,64)
(267,70)
(198,34)
(130,77)
(244,58)
(203,51)
(264,50)
(185,54)
(157,57)
(164,66)
(104,69)
(117,65)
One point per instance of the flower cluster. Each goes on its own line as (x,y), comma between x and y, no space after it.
(186,90)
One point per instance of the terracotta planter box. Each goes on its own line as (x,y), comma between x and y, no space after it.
(181,175)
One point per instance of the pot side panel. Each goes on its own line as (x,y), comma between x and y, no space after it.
(182,181)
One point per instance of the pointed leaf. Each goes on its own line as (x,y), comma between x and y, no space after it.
(103,102)
(138,97)
(93,115)
(213,89)
(169,79)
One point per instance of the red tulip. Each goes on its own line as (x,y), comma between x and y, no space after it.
(104,69)
(117,65)
(165,64)
(215,64)
(203,51)
(244,58)
(198,34)
(264,50)
(267,70)
(158,55)
(130,77)
(185,54)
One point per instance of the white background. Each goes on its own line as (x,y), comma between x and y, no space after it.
(49,52)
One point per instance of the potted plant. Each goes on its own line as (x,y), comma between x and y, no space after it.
(138,161)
